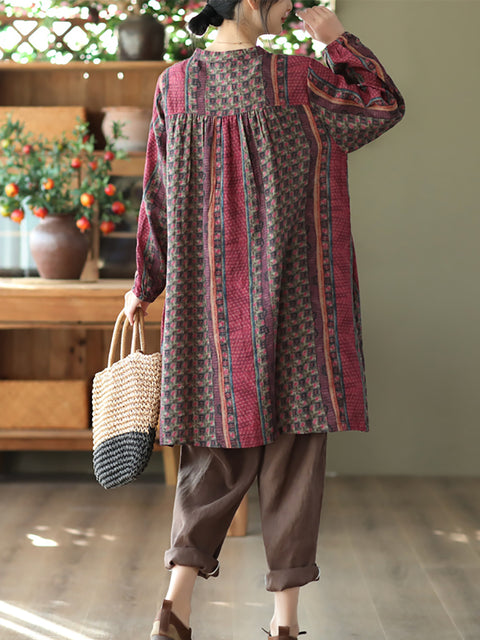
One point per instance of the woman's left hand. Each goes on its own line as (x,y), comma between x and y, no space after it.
(131,303)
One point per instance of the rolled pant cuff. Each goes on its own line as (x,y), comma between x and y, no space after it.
(208,566)
(280,579)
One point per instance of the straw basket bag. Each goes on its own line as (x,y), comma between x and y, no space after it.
(126,404)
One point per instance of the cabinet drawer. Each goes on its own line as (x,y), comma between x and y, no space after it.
(44,404)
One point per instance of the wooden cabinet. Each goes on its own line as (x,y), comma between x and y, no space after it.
(93,86)
(52,330)
(57,331)
(62,330)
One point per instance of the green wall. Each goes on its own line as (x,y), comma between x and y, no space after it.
(416,224)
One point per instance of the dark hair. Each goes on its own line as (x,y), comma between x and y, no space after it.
(216,11)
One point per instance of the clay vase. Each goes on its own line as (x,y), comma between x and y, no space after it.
(136,123)
(141,37)
(59,248)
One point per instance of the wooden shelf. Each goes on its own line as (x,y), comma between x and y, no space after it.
(109,65)
(93,86)
(38,303)
(45,440)
(48,440)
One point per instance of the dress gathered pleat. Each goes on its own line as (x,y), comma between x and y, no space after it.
(245,222)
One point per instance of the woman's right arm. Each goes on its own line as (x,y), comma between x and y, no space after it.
(151,252)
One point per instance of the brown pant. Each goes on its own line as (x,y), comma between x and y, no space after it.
(211,484)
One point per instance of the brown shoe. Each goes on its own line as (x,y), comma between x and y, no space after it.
(168,627)
(283,634)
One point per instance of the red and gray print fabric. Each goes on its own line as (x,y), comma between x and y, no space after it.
(245,222)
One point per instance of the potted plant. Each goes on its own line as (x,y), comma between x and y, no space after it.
(64,183)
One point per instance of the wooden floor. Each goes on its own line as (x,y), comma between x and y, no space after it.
(400,559)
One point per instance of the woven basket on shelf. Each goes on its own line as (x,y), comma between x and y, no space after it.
(125,404)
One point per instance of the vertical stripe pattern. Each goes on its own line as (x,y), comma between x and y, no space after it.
(246,205)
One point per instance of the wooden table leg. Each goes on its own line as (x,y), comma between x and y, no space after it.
(171,457)
(240,520)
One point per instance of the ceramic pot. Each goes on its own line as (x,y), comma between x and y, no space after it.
(136,123)
(141,37)
(59,248)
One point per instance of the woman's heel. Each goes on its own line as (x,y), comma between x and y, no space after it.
(168,627)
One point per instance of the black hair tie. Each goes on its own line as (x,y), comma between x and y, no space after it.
(207,16)
(208,11)
(212,15)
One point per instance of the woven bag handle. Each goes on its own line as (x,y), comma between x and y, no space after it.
(138,334)
(121,326)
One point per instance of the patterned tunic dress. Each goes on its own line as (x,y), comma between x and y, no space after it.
(245,222)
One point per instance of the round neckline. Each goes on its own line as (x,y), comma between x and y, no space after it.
(245,51)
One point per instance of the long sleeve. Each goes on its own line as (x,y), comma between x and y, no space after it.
(353,96)
(150,277)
